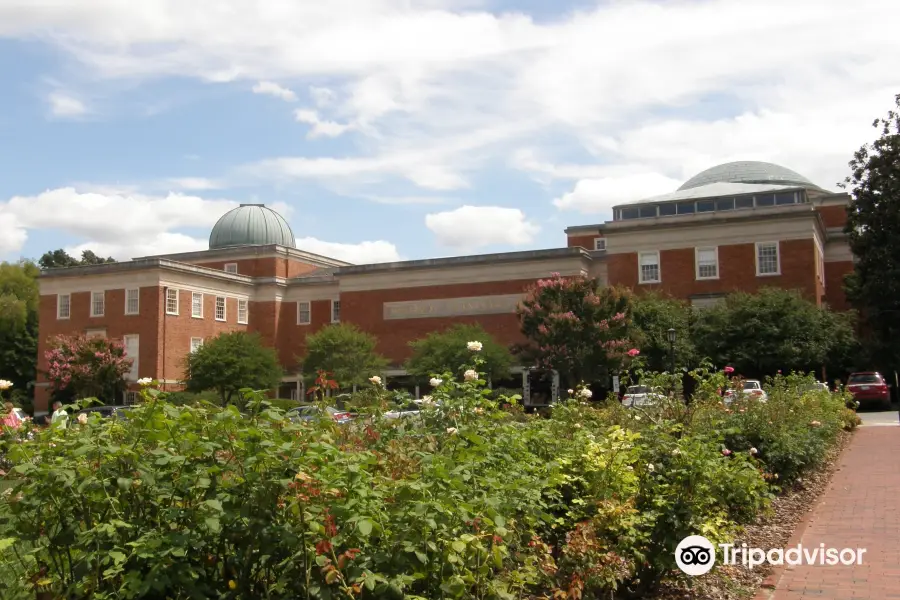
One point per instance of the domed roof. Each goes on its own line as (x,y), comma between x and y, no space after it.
(748,171)
(251,225)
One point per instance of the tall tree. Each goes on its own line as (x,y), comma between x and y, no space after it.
(346,352)
(231,362)
(442,351)
(61,258)
(577,327)
(653,315)
(19,298)
(87,367)
(872,225)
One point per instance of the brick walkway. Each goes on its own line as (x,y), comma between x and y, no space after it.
(859,509)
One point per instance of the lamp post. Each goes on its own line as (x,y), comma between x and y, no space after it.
(671,335)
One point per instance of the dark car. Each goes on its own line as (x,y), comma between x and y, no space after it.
(869,387)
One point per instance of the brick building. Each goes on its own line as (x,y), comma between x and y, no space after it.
(739,226)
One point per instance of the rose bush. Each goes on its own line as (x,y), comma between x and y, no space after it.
(469,500)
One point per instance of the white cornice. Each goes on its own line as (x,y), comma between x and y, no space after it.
(252,252)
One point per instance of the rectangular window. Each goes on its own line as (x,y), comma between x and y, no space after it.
(243,311)
(131,398)
(785,198)
(666,210)
(196,342)
(599,243)
(649,267)
(686,208)
(132,351)
(743,202)
(335,311)
(630,213)
(304,314)
(231,268)
(197,305)
(132,301)
(98,304)
(706,206)
(725,204)
(765,200)
(767,259)
(63,306)
(707,263)
(220,308)
(171,301)
(646,212)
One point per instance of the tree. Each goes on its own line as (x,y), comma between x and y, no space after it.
(576,327)
(446,351)
(872,224)
(231,362)
(19,297)
(60,258)
(773,330)
(87,367)
(346,352)
(652,316)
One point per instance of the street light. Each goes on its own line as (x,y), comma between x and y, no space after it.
(671,335)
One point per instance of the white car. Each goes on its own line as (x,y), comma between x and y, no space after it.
(752,389)
(815,387)
(640,395)
(407,410)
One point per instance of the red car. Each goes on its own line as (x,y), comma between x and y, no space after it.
(867,387)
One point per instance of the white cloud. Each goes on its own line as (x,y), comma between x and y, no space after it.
(320,128)
(593,196)
(362,253)
(65,106)
(479,226)
(12,235)
(273,89)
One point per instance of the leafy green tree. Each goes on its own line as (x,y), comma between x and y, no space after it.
(576,326)
(19,298)
(773,330)
(346,352)
(61,258)
(872,225)
(442,351)
(652,316)
(231,362)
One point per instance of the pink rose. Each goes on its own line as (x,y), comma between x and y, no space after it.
(729,370)
(633,352)
(726,452)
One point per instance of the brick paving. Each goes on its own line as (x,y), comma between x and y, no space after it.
(859,509)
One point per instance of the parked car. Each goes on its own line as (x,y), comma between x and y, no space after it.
(105,411)
(21,414)
(815,387)
(752,389)
(640,395)
(311,412)
(868,387)
(407,410)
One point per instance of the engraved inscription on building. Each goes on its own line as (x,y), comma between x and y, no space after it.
(452,307)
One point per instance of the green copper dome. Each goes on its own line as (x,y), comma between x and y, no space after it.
(251,225)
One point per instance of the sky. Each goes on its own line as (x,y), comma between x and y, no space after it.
(402,129)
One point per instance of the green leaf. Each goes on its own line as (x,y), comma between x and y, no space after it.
(458,546)
(118,557)
(215,505)
(423,558)
(365,527)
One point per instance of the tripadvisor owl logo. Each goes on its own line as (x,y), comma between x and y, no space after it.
(695,555)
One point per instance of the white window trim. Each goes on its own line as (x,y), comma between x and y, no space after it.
(95,314)
(641,279)
(177,301)
(233,266)
(715,250)
(333,302)
(59,306)
(193,294)
(308,312)
(191,347)
(600,243)
(246,318)
(138,291)
(224,308)
(136,360)
(777,258)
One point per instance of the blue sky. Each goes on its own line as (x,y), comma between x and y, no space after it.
(389,129)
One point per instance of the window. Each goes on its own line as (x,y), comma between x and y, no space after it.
(785,198)
(686,208)
(765,200)
(649,267)
(743,202)
(630,213)
(171,301)
(767,259)
(725,204)
(707,263)
(647,211)
(197,305)
(231,268)
(98,304)
(132,351)
(666,210)
(243,311)
(335,311)
(63,306)
(196,342)
(599,243)
(132,301)
(220,308)
(706,206)
(304,314)
(131,398)
(92,333)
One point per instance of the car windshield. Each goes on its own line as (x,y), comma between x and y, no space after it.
(865,378)
(638,389)
(751,385)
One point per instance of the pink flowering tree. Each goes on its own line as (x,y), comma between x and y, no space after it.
(87,367)
(577,327)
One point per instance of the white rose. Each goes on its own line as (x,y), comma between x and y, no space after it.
(571,392)
(436,382)
(144,381)
(375,379)
(451,430)
(83,418)
(474,346)
(585,393)
(754,451)
(651,468)
(470,375)
(5,384)
(427,399)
